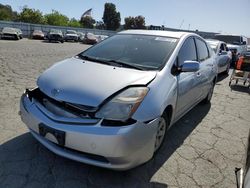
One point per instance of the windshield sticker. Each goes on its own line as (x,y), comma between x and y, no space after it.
(165,39)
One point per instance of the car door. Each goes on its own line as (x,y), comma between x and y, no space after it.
(187,85)
(222,58)
(205,71)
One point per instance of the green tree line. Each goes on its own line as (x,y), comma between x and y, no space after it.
(111,19)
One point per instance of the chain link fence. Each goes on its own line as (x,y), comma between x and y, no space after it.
(28,28)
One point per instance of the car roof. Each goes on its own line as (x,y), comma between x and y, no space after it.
(234,35)
(173,34)
(214,41)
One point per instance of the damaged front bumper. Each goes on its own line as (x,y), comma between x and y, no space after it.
(89,140)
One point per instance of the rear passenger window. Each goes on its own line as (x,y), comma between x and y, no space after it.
(202,50)
(187,52)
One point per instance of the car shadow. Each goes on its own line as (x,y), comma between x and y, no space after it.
(24,157)
(47,41)
(221,77)
(240,88)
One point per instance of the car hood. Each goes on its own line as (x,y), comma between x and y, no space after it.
(88,83)
(9,32)
(38,34)
(72,35)
(233,46)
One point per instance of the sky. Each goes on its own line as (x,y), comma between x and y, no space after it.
(223,16)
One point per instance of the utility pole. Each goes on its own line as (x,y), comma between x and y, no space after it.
(181,23)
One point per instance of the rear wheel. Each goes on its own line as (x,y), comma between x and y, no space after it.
(161,130)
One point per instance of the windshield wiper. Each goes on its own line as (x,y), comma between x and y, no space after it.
(85,57)
(110,62)
(123,64)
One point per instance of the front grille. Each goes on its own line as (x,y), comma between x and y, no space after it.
(79,110)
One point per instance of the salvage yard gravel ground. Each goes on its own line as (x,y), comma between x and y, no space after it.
(201,150)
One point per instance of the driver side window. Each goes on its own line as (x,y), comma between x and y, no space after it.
(187,52)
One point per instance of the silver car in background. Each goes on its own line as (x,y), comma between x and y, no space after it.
(71,35)
(223,55)
(11,33)
(111,105)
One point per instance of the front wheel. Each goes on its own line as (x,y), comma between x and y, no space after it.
(161,130)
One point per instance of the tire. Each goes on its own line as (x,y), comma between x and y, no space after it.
(161,131)
(62,41)
(209,95)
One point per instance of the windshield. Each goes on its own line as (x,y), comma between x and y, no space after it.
(71,32)
(37,31)
(8,29)
(55,31)
(213,45)
(147,52)
(229,39)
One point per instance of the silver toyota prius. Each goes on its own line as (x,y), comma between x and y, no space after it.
(111,105)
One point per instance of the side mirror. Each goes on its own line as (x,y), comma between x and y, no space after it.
(190,66)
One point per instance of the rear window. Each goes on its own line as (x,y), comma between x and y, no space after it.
(202,50)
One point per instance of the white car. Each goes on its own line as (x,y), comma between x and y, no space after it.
(71,35)
(11,33)
(223,55)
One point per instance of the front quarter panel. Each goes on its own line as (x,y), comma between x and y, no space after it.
(163,92)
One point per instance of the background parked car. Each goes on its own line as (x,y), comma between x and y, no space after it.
(55,35)
(20,33)
(223,55)
(236,43)
(80,36)
(71,35)
(11,33)
(37,34)
(90,38)
(101,37)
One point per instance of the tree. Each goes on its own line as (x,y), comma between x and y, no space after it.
(129,22)
(137,22)
(87,22)
(6,13)
(111,17)
(74,23)
(29,15)
(56,18)
(100,25)
(140,22)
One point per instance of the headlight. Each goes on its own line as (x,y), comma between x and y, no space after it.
(123,106)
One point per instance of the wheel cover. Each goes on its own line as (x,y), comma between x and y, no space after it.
(161,129)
